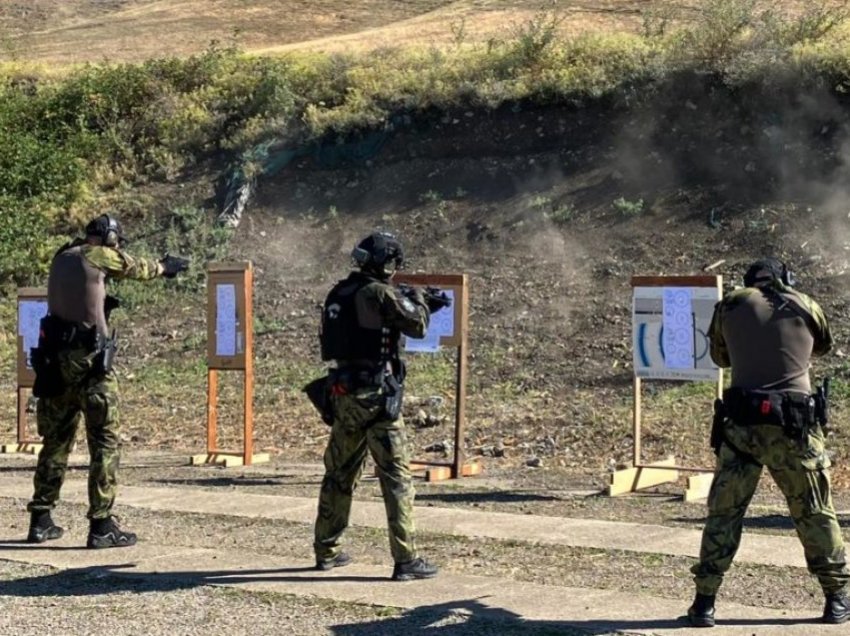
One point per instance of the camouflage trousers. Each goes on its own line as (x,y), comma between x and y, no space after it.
(94,396)
(359,427)
(799,469)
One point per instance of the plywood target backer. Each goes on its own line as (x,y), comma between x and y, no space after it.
(447,328)
(229,296)
(230,347)
(671,317)
(31,308)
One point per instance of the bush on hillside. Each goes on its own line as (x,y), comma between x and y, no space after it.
(65,141)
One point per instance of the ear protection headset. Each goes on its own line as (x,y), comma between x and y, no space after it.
(768,269)
(377,249)
(108,229)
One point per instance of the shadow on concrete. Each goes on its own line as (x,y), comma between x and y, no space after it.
(503,496)
(473,617)
(763,522)
(232,482)
(465,616)
(12,545)
(110,579)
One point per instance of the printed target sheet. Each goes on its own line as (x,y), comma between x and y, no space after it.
(670,333)
(442,323)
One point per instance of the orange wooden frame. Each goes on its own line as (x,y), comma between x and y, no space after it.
(241,276)
(459,283)
(25,380)
(641,474)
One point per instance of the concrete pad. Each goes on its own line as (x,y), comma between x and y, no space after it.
(498,599)
(588,533)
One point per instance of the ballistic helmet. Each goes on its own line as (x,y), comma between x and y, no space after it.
(108,229)
(375,252)
(768,270)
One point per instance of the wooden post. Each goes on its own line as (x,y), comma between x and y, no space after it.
(462,377)
(212,412)
(31,306)
(248,412)
(636,421)
(22,416)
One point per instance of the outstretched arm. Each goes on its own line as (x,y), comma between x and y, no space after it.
(407,314)
(119,264)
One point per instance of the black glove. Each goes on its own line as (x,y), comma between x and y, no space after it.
(173,265)
(436,299)
(412,293)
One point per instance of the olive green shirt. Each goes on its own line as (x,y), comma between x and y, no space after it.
(382,305)
(768,335)
(116,263)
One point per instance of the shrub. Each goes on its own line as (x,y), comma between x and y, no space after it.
(628,208)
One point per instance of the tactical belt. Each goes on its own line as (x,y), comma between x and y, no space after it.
(352,377)
(61,334)
(794,412)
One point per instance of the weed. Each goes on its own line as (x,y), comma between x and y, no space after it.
(430,196)
(540,202)
(459,32)
(264,325)
(656,22)
(536,36)
(562,214)
(628,208)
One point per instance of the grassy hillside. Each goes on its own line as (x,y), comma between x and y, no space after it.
(81,141)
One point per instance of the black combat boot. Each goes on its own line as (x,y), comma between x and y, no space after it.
(701,612)
(416,569)
(339,561)
(42,527)
(837,608)
(105,533)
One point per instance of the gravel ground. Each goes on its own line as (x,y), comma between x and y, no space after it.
(39,599)
(629,572)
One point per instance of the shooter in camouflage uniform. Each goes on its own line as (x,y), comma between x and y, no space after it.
(76,377)
(767,332)
(362,322)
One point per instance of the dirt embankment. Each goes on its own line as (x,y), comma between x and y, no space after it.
(551,209)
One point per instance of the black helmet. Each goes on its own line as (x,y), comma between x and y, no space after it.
(108,229)
(768,270)
(374,252)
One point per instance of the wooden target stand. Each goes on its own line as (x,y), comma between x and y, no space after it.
(458,286)
(230,347)
(32,306)
(643,475)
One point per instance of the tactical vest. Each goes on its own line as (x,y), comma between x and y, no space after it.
(343,337)
(76,289)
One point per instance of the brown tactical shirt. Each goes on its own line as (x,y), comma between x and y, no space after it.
(768,336)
